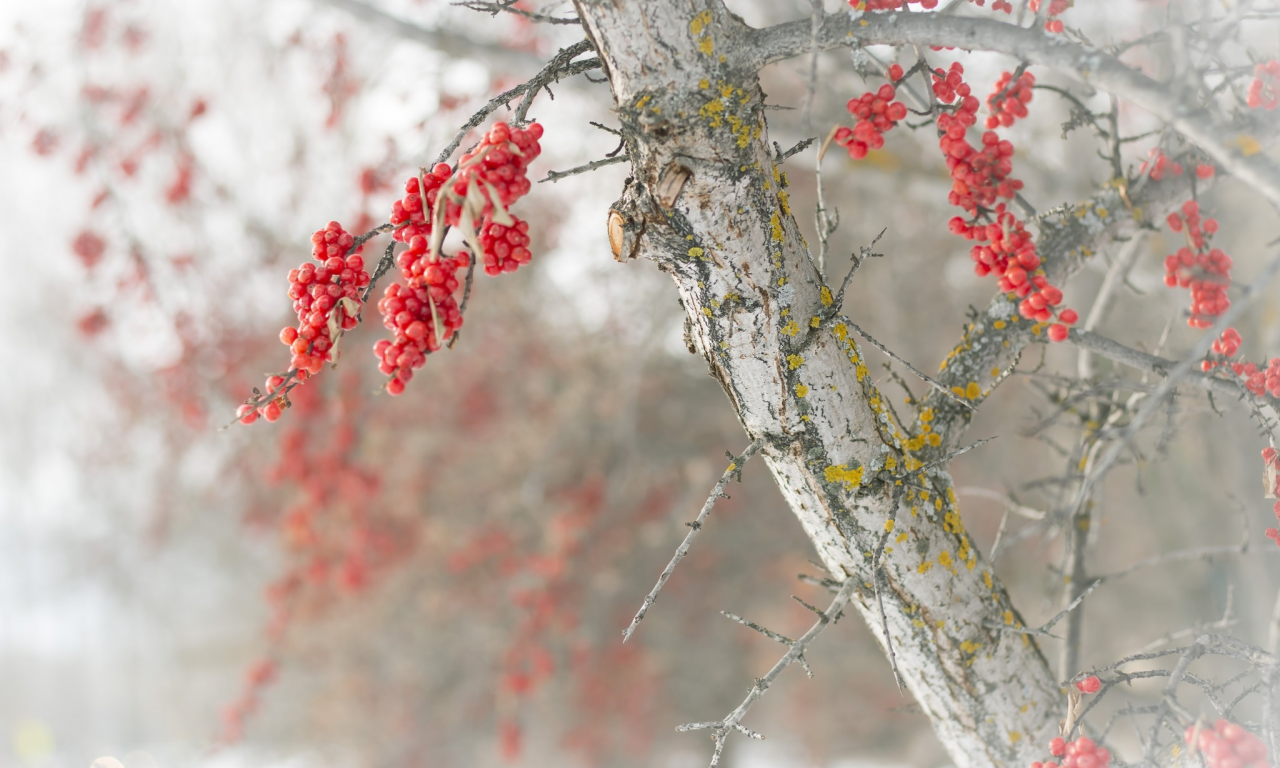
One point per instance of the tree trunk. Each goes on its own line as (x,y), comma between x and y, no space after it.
(708,204)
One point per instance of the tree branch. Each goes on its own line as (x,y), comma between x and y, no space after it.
(734,470)
(450,42)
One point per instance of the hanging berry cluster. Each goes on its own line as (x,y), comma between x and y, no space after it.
(1009,102)
(1264,89)
(423,313)
(327,301)
(1056,8)
(1228,745)
(1081,753)
(877,113)
(1206,271)
(980,181)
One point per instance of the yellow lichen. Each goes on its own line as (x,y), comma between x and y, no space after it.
(1248,145)
(791,329)
(973,391)
(794,361)
(850,478)
(827,299)
(801,390)
(700,22)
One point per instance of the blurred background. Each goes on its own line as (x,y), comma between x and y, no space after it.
(442,578)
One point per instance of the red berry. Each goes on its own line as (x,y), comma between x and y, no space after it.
(1090,684)
(271,411)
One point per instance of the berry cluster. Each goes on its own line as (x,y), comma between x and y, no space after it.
(1228,745)
(489,178)
(1161,165)
(1206,271)
(1009,102)
(1264,89)
(505,247)
(877,113)
(981,177)
(411,214)
(1081,753)
(424,313)
(421,315)
(1259,381)
(327,301)
(1226,346)
(1056,7)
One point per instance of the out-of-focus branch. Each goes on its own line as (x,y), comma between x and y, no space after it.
(1231,146)
(1117,352)
(1181,370)
(1115,278)
(508,6)
(446,41)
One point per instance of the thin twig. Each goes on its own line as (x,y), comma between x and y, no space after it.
(554,176)
(509,7)
(734,470)
(722,728)
(560,66)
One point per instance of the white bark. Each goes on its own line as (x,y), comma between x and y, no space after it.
(762,319)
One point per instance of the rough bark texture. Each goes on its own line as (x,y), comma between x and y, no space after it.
(708,205)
